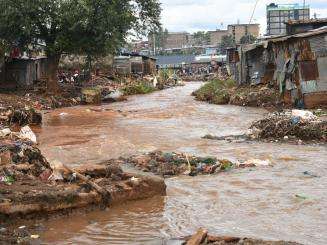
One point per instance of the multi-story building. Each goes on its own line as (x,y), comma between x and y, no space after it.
(216,36)
(176,40)
(279,14)
(237,31)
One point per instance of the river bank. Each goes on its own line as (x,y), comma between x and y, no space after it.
(241,202)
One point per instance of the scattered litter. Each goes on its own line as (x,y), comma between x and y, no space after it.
(302,125)
(35,236)
(257,162)
(58,170)
(310,174)
(63,114)
(302,197)
(304,115)
(8,180)
(5,132)
(27,133)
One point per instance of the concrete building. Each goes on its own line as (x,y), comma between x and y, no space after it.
(279,14)
(237,31)
(216,36)
(177,40)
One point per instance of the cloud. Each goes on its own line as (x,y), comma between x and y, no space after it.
(194,15)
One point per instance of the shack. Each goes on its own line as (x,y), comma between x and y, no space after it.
(296,64)
(131,63)
(22,72)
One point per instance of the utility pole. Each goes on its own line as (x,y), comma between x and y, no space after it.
(154,44)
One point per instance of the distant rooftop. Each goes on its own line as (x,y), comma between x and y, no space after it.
(295,6)
(309,21)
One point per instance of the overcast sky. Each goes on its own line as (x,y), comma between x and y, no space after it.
(194,15)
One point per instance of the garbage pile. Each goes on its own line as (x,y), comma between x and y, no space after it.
(21,117)
(295,124)
(172,164)
(20,158)
(201,237)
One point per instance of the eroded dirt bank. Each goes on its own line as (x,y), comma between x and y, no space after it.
(286,201)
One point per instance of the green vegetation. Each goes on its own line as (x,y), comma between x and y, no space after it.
(215,91)
(94,28)
(141,87)
(248,39)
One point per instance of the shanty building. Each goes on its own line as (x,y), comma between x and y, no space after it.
(297,64)
(22,72)
(127,64)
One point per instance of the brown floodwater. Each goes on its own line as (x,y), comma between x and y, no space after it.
(259,202)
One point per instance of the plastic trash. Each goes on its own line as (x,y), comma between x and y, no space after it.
(63,114)
(304,115)
(8,180)
(257,162)
(27,133)
(57,170)
(5,132)
(302,197)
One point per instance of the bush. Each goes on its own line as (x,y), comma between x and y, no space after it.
(141,87)
(215,91)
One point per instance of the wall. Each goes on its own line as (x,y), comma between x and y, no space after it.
(239,30)
(216,36)
(176,40)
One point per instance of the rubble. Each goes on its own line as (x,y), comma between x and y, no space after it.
(172,164)
(32,187)
(201,237)
(226,92)
(294,124)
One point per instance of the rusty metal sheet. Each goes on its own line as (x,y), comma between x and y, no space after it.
(309,86)
(309,70)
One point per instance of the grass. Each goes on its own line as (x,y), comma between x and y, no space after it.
(141,87)
(215,91)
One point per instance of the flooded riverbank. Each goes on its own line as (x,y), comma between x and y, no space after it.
(258,203)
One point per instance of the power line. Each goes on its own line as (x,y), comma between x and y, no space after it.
(255,6)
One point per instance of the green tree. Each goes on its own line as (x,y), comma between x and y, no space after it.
(88,27)
(160,36)
(201,38)
(248,39)
(226,42)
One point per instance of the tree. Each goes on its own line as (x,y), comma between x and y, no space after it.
(201,38)
(226,42)
(160,37)
(248,39)
(89,27)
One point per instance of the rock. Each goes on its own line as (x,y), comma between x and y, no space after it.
(5,158)
(92,95)
(198,238)
(226,239)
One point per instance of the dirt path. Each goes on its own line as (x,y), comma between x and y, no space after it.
(283,202)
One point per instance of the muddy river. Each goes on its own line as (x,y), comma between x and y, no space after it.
(259,202)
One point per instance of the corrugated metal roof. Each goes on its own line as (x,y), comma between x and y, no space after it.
(310,33)
(174,59)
